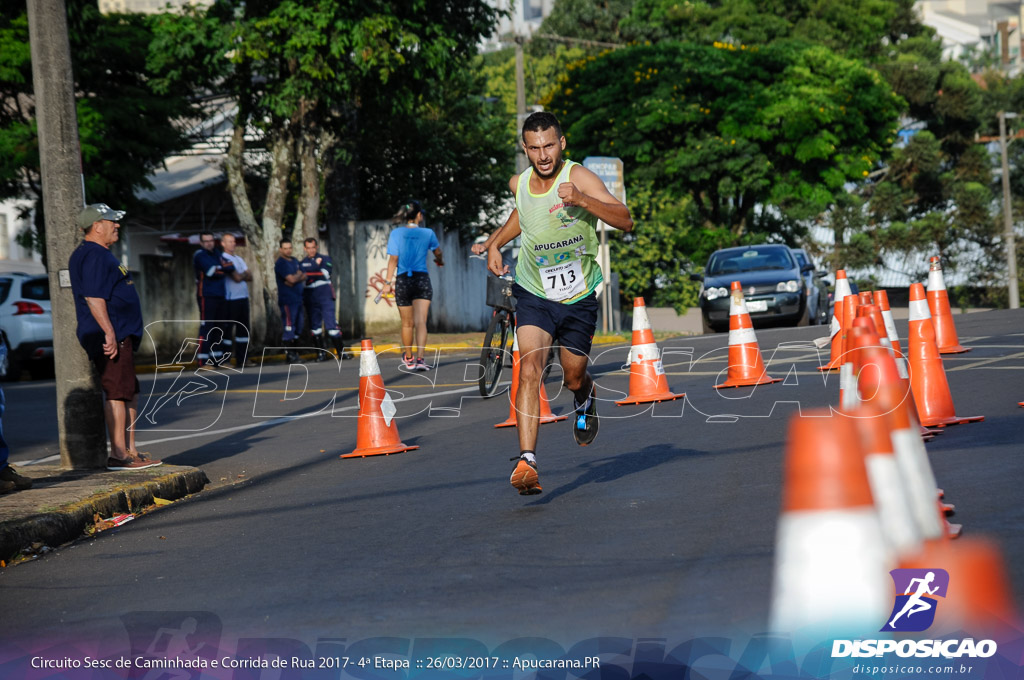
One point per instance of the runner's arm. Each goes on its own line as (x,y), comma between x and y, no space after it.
(586,190)
(498,239)
(390,278)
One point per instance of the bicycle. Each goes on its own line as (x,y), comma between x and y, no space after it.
(499,337)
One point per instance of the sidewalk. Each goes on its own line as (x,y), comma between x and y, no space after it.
(64,505)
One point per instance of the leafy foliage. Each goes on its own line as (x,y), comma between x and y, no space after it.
(732,128)
(125,126)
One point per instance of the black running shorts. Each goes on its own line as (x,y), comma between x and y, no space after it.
(572,325)
(412,286)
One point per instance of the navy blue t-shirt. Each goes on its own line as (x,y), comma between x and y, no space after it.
(96,273)
(210,273)
(315,270)
(287,294)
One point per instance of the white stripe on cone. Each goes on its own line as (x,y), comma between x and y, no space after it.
(368,364)
(919,481)
(898,524)
(919,310)
(641,321)
(831,571)
(890,326)
(737,308)
(935,281)
(742,336)
(647,352)
(848,387)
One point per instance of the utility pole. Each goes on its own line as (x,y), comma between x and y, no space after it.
(521,162)
(80,424)
(1011,246)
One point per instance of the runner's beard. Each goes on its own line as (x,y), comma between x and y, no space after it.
(556,168)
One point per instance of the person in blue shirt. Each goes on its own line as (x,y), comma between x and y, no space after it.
(212,271)
(109,329)
(319,298)
(408,278)
(290,284)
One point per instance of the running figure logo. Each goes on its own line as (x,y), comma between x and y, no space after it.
(916,591)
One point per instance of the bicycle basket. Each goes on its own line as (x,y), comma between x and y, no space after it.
(499,293)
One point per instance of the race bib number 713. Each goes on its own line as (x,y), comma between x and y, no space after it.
(563,281)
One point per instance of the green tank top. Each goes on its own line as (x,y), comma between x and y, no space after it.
(558,252)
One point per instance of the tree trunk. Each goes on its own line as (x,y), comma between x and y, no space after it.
(282,151)
(263,308)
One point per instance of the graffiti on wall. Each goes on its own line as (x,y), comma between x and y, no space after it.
(376,284)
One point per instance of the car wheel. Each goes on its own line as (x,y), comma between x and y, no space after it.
(805,318)
(706,325)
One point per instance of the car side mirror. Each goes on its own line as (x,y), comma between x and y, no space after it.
(806,268)
(821,275)
(696,277)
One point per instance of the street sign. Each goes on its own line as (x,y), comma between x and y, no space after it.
(609,169)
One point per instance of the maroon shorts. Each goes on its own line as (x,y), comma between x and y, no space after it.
(117,376)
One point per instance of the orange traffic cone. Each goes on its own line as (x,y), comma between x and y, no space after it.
(828,526)
(887,486)
(942,317)
(927,375)
(377,432)
(882,300)
(861,335)
(546,415)
(842,290)
(980,599)
(647,382)
(865,297)
(883,388)
(745,364)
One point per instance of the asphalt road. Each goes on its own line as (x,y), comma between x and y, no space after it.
(663,528)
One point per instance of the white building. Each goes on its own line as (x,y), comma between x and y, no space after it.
(16,216)
(993,24)
(525,17)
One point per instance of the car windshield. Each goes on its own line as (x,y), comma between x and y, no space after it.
(751,260)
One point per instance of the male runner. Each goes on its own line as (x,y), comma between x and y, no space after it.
(558,204)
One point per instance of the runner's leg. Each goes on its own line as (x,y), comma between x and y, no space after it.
(407,326)
(420,308)
(533,347)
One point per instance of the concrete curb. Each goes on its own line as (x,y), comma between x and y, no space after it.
(70,521)
(388,347)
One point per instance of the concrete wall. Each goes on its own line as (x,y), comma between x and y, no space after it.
(359,250)
(166,287)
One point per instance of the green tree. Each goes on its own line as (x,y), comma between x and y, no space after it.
(732,129)
(309,77)
(125,127)
(859,29)
(934,196)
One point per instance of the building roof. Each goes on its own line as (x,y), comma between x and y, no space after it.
(183,175)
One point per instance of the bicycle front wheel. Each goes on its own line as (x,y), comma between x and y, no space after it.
(497,345)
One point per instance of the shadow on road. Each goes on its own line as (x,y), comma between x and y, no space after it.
(616,467)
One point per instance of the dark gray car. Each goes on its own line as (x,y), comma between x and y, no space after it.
(817,290)
(772,282)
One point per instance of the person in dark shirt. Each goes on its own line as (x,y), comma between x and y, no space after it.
(290,283)
(109,329)
(212,271)
(319,298)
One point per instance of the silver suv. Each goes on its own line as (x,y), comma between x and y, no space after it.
(26,324)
